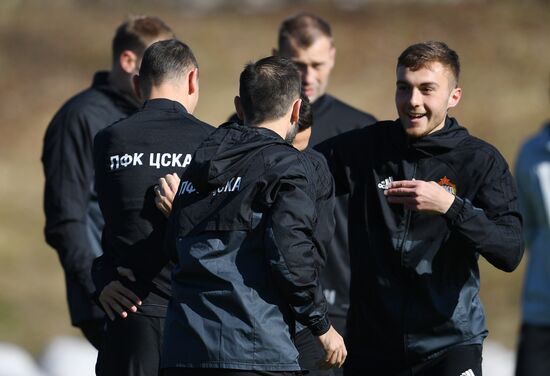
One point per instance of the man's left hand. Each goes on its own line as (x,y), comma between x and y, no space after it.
(165,193)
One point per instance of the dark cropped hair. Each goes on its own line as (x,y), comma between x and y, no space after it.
(267,89)
(420,55)
(306,116)
(137,33)
(302,30)
(164,60)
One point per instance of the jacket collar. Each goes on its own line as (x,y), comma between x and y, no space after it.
(164,104)
(439,142)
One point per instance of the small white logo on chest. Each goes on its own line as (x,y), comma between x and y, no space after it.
(385,184)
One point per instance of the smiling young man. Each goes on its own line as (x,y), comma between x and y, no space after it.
(427,199)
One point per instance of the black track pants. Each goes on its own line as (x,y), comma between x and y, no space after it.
(458,361)
(131,347)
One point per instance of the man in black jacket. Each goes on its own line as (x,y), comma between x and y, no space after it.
(130,156)
(426,200)
(240,233)
(311,353)
(307,40)
(73,220)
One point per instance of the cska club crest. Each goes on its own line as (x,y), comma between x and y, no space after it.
(446,183)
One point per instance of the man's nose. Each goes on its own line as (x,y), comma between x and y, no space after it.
(308,75)
(415,99)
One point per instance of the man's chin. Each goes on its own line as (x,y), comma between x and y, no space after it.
(312,95)
(414,131)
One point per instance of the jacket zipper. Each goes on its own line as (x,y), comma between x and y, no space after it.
(408,220)
(407,295)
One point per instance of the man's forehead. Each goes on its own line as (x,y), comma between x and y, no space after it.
(432,71)
(319,51)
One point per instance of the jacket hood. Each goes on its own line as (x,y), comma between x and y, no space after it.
(228,150)
(441,141)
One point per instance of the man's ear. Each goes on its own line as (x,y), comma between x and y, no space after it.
(193,80)
(454,98)
(332,55)
(239,108)
(137,89)
(128,61)
(295,115)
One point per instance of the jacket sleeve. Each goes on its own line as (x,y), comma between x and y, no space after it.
(68,168)
(103,272)
(325,202)
(493,225)
(291,251)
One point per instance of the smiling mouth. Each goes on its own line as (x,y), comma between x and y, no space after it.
(413,115)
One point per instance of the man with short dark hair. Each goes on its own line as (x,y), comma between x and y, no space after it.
(307,40)
(427,199)
(130,156)
(311,353)
(241,234)
(73,219)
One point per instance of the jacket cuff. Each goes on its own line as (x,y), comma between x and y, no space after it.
(103,274)
(320,327)
(453,213)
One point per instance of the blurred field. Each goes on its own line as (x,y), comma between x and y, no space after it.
(48,53)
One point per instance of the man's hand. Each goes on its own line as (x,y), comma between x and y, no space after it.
(419,195)
(335,349)
(117,299)
(165,192)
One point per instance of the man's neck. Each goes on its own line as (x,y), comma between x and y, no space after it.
(279,126)
(173,93)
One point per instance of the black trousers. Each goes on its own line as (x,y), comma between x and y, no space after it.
(223,372)
(131,347)
(459,361)
(534,351)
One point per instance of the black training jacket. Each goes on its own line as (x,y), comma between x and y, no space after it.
(332,117)
(241,235)
(73,219)
(130,156)
(415,276)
